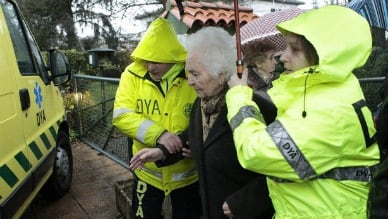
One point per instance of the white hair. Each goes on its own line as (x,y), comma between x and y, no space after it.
(217,48)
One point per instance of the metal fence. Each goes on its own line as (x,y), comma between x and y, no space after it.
(94,97)
(92,117)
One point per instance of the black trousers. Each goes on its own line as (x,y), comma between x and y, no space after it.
(147,201)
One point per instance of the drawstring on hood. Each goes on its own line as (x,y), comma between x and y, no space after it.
(336,63)
(309,72)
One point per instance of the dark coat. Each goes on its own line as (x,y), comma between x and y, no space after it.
(221,178)
(378,195)
(220,175)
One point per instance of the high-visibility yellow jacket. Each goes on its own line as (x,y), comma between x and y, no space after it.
(320,151)
(144,109)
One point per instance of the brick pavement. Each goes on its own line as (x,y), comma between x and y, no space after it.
(92,194)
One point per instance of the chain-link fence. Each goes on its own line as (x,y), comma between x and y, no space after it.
(92,117)
(94,97)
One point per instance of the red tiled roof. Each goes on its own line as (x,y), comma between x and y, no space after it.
(205,13)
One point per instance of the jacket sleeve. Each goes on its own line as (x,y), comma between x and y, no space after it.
(169,158)
(252,200)
(382,128)
(172,158)
(378,195)
(125,118)
(256,150)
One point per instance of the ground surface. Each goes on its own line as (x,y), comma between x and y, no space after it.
(92,194)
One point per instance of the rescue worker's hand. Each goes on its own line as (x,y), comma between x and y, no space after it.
(145,155)
(227,211)
(171,141)
(235,80)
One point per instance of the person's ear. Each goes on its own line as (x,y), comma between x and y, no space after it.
(258,64)
(221,78)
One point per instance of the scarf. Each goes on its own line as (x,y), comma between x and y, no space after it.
(210,108)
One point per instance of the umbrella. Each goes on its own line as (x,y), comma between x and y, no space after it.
(264,28)
(239,61)
(374,11)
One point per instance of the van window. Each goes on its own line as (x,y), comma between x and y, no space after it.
(27,53)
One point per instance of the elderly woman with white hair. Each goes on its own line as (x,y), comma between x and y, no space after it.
(227,190)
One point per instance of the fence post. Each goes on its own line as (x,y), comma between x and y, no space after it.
(77,107)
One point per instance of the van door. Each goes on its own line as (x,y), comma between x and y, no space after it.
(35,111)
(13,153)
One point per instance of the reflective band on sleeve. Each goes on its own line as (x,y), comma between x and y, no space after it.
(154,173)
(290,151)
(245,112)
(183,176)
(120,111)
(363,174)
(141,132)
(176,176)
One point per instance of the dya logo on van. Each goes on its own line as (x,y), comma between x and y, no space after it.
(40,116)
(38,95)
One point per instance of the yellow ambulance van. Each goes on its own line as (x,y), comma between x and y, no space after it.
(35,151)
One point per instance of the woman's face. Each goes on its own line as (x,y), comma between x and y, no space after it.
(268,65)
(293,57)
(203,83)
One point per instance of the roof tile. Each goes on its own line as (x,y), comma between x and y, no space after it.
(207,13)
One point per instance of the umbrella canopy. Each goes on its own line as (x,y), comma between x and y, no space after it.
(375,11)
(264,28)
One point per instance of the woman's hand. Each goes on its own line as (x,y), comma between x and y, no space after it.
(235,80)
(144,156)
(171,141)
(186,152)
(227,211)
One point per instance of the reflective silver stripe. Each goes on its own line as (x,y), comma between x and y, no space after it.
(120,111)
(182,176)
(245,112)
(140,135)
(152,172)
(359,173)
(175,177)
(290,151)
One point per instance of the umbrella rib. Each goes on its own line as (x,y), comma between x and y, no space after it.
(259,36)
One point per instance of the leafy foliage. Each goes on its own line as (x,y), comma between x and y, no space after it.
(77,59)
(53,22)
(376,66)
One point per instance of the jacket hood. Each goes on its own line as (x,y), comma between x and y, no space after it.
(159,44)
(341,37)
